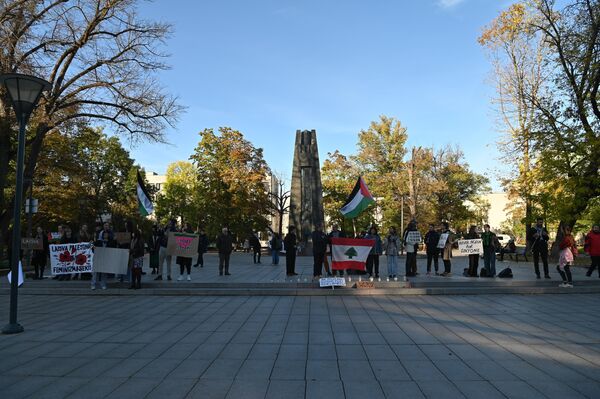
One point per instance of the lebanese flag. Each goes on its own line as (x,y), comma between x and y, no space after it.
(350,253)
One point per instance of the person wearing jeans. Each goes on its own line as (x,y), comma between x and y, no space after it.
(275,245)
(391,245)
(489,241)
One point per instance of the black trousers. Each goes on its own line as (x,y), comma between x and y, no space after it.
(187,266)
(566,275)
(319,259)
(473,265)
(595,264)
(256,255)
(432,256)
(373,263)
(290,261)
(224,262)
(411,264)
(200,260)
(447,266)
(136,274)
(543,253)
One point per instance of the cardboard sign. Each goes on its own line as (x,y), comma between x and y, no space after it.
(123,238)
(413,237)
(442,242)
(182,244)
(365,284)
(470,247)
(32,243)
(71,258)
(111,260)
(332,282)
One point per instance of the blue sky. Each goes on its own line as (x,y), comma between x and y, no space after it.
(268,68)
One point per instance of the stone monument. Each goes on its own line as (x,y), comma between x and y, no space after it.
(306,199)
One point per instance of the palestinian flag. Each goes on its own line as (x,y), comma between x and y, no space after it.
(350,253)
(144,203)
(358,201)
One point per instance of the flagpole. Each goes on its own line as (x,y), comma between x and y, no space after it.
(354,226)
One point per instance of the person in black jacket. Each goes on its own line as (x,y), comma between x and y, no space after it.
(225,247)
(40,256)
(136,249)
(289,243)
(472,271)
(202,247)
(255,244)
(319,241)
(154,247)
(432,238)
(537,238)
(184,262)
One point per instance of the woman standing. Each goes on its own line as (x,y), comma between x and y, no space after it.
(154,247)
(411,249)
(474,258)
(376,250)
(184,262)
(136,252)
(447,250)
(391,245)
(40,256)
(568,251)
(67,238)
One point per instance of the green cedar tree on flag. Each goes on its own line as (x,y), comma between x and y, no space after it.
(358,201)
(144,203)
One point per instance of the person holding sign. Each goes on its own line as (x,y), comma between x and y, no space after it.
(185,262)
(472,271)
(105,241)
(391,245)
(412,238)
(376,250)
(445,244)
(137,255)
(432,238)
(40,256)
(163,255)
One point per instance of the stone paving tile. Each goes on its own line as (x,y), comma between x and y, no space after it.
(423,370)
(401,390)
(441,390)
(286,389)
(60,388)
(518,390)
(253,389)
(172,388)
(322,370)
(479,390)
(389,370)
(324,389)
(134,388)
(285,369)
(26,387)
(210,389)
(363,389)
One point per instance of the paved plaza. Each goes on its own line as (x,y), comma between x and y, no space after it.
(485,346)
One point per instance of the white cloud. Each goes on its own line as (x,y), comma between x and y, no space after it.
(449,3)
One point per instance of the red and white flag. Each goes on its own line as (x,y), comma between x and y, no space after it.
(350,253)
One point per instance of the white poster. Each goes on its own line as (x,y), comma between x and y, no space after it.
(442,242)
(470,247)
(111,260)
(413,237)
(71,258)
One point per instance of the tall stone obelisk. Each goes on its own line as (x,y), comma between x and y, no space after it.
(306,200)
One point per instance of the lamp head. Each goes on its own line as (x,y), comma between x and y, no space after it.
(24,92)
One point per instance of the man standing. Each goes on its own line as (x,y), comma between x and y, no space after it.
(162,252)
(538,237)
(289,243)
(432,238)
(319,241)
(490,242)
(255,244)
(202,247)
(225,247)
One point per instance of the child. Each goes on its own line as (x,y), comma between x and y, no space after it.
(568,251)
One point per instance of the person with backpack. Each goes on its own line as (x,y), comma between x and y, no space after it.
(490,243)
(592,247)
(568,251)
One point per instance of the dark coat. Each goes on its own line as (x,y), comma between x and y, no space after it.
(431,241)
(225,243)
(540,242)
(290,242)
(254,243)
(202,243)
(319,241)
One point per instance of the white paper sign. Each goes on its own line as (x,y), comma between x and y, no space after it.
(332,282)
(111,260)
(470,247)
(413,237)
(71,258)
(442,242)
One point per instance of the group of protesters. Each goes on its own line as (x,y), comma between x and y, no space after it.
(439,242)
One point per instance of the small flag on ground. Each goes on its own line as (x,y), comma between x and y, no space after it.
(144,203)
(350,253)
(20,272)
(358,201)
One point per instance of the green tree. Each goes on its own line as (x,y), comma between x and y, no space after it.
(231,182)
(178,198)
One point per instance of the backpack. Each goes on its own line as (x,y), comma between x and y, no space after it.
(506,273)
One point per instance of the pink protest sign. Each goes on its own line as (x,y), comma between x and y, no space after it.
(182,244)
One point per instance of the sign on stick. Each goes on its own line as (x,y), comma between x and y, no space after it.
(332,282)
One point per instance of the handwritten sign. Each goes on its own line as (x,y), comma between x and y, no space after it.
(332,282)
(123,238)
(31,243)
(470,247)
(182,244)
(71,258)
(413,237)
(365,284)
(442,242)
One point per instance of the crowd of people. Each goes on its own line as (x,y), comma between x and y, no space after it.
(438,242)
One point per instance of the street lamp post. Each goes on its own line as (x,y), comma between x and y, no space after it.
(24,92)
